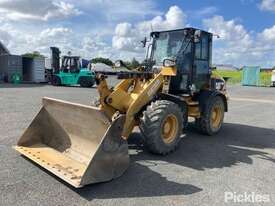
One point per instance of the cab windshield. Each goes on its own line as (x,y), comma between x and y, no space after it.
(168,45)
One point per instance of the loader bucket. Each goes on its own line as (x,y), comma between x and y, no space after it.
(77,143)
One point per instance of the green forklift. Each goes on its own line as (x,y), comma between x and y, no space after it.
(70,72)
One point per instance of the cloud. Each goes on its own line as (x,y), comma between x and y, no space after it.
(268,35)
(42,10)
(52,36)
(87,45)
(234,40)
(125,38)
(128,36)
(5,37)
(20,43)
(237,45)
(267,5)
(121,39)
(235,34)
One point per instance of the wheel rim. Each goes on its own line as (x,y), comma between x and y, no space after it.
(216,116)
(170,129)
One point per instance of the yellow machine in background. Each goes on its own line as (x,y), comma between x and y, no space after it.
(84,144)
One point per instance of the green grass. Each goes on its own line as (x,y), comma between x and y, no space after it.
(265,79)
(236,77)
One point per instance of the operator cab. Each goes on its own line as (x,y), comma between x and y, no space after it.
(190,50)
(70,64)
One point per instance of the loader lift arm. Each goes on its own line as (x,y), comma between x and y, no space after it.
(132,94)
(127,75)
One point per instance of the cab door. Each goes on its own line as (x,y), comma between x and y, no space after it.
(202,61)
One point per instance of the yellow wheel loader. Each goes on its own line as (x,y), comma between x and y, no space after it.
(85,144)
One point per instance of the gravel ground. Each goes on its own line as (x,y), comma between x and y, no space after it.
(239,160)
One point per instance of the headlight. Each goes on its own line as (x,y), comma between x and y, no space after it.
(169,63)
(220,85)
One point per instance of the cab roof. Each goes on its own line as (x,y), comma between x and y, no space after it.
(190,29)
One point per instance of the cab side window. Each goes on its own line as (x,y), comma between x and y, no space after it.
(201,49)
(198,50)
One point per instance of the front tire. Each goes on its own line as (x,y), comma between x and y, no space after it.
(86,82)
(162,125)
(56,81)
(212,117)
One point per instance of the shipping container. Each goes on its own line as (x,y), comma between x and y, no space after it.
(34,70)
(10,65)
(251,76)
(48,63)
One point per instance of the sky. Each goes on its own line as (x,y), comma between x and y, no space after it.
(114,28)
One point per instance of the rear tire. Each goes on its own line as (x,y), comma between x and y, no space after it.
(162,125)
(212,117)
(56,81)
(86,82)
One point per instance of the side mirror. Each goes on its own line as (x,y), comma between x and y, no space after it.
(144,42)
(197,36)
